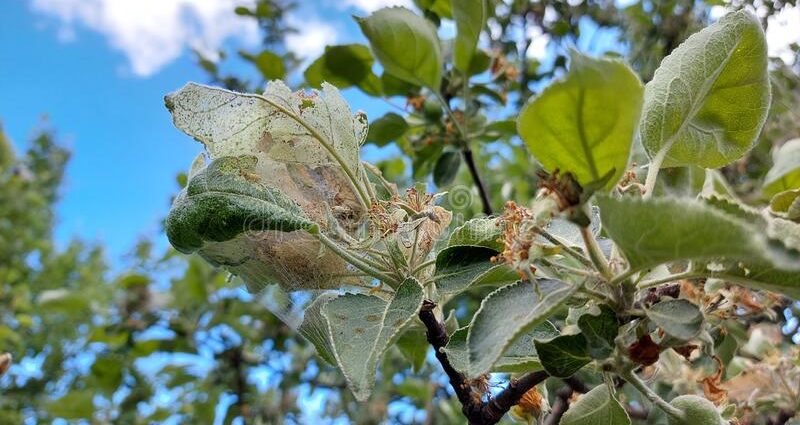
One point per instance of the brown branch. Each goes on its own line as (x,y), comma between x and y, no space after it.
(473,407)
(476,178)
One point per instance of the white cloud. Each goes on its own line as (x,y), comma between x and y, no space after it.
(370,6)
(783,30)
(311,38)
(151,33)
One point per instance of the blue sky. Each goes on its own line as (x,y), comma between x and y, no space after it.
(104,99)
(99,69)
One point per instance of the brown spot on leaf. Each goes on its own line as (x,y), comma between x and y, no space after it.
(359,331)
(372,318)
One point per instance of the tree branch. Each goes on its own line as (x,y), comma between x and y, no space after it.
(473,407)
(476,178)
(561,405)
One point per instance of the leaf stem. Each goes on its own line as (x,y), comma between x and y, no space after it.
(671,278)
(423,266)
(596,254)
(637,383)
(357,262)
(652,171)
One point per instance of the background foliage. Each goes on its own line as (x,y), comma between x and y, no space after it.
(171,339)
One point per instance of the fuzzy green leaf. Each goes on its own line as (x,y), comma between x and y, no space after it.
(406,44)
(600,331)
(581,124)
(363,326)
(708,101)
(461,267)
(563,355)
(521,355)
(220,203)
(508,313)
(478,232)
(679,319)
(662,230)
(597,407)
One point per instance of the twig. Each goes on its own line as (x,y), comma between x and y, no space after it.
(473,407)
(476,177)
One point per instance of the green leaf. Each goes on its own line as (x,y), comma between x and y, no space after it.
(785,174)
(269,64)
(581,124)
(786,204)
(508,313)
(386,129)
(413,344)
(76,404)
(470,18)
(458,352)
(597,407)
(220,203)
(461,267)
(478,232)
(345,66)
(708,100)
(315,328)
(563,355)
(363,326)
(107,373)
(521,355)
(662,230)
(446,168)
(600,331)
(679,319)
(406,45)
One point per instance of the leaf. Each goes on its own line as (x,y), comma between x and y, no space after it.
(406,45)
(303,146)
(708,101)
(413,344)
(386,129)
(478,232)
(757,275)
(345,66)
(446,168)
(581,124)
(458,352)
(508,313)
(315,328)
(269,64)
(220,203)
(678,318)
(107,373)
(597,407)
(278,126)
(662,230)
(521,355)
(786,204)
(563,355)
(461,267)
(76,404)
(470,18)
(785,174)
(363,326)
(600,331)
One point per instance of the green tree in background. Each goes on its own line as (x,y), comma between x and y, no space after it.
(172,339)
